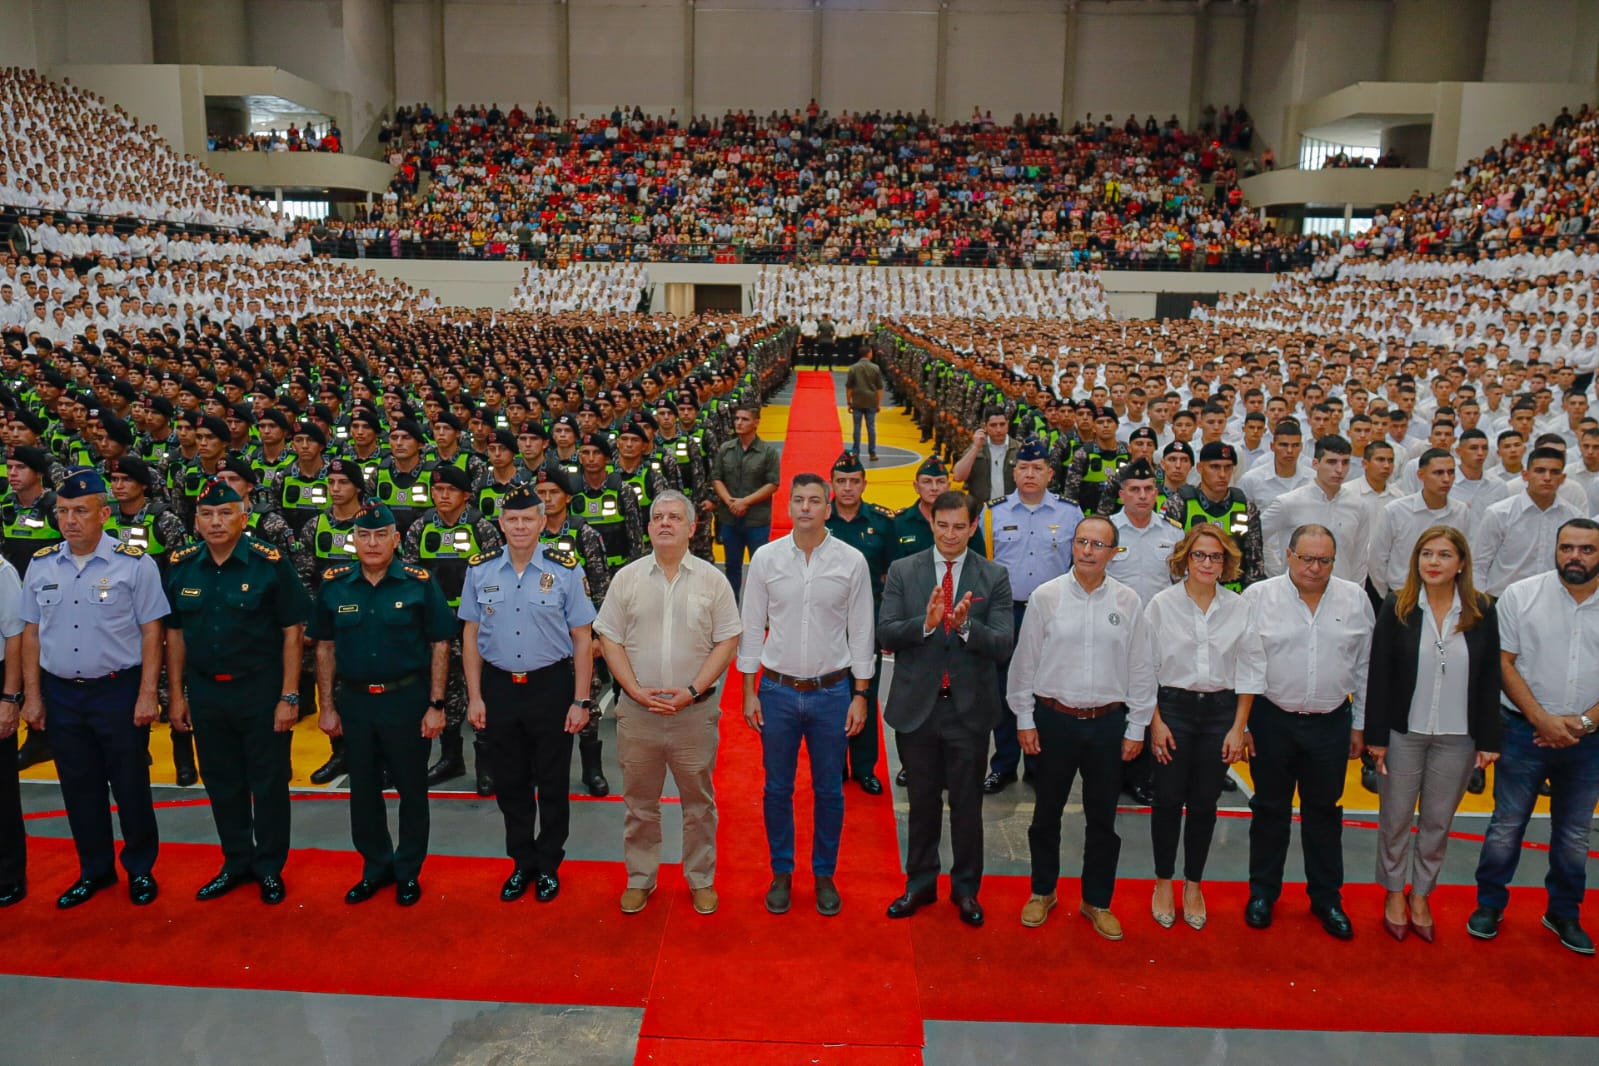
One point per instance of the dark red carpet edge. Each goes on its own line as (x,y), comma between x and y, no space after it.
(749,987)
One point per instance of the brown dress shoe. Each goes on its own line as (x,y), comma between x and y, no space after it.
(1104,922)
(634,899)
(705,900)
(1037,910)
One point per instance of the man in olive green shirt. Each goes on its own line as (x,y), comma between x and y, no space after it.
(234,638)
(863,385)
(383,631)
(745,473)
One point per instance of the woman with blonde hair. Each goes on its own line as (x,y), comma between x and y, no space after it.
(1432,715)
(1200,716)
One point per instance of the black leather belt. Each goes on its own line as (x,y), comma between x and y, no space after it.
(84,681)
(807,684)
(378,688)
(1080,712)
(520,677)
(1183,697)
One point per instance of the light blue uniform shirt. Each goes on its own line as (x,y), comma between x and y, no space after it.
(10,604)
(89,619)
(524,623)
(1033,544)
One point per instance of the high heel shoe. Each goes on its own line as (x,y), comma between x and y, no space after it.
(1423,932)
(1164,919)
(1399,930)
(1195,921)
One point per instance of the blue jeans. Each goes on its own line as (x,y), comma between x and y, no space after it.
(817,718)
(870,418)
(1573,775)
(737,538)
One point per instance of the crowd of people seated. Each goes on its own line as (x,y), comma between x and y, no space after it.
(293,139)
(63,149)
(1345,161)
(601,287)
(884,293)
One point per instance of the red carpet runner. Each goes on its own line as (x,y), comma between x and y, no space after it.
(749,987)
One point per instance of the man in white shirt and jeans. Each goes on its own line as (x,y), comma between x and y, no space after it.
(810,627)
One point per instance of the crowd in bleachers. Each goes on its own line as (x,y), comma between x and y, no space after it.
(869,295)
(63,149)
(600,287)
(294,139)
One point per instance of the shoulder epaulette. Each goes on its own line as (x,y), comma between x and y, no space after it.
(416,572)
(482,557)
(42,552)
(996,501)
(1172,521)
(334,572)
(129,550)
(265,550)
(879,509)
(556,555)
(901,511)
(181,554)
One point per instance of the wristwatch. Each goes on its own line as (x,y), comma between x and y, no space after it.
(291,698)
(437,705)
(587,705)
(1588,724)
(693,692)
(11,697)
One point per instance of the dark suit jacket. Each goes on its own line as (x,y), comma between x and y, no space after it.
(1395,650)
(920,662)
(978,486)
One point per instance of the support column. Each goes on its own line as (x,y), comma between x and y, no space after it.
(688,58)
(1349,217)
(941,66)
(817,15)
(1068,70)
(440,65)
(1199,67)
(564,59)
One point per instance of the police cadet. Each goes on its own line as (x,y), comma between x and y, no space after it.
(608,506)
(865,527)
(442,540)
(211,437)
(1083,482)
(564,434)
(363,444)
(574,537)
(27,519)
(527,648)
(448,449)
(501,473)
(332,542)
(640,469)
(383,632)
(274,454)
(234,638)
(300,489)
(1215,500)
(403,479)
(1032,536)
(91,657)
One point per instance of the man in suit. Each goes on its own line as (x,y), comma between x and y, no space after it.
(947,616)
(988,466)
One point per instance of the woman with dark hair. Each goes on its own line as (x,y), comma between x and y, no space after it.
(1432,715)
(1199,723)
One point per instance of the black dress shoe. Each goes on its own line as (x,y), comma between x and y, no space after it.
(1368,779)
(996,782)
(272,890)
(516,885)
(1229,784)
(221,885)
(142,890)
(84,890)
(13,893)
(35,750)
(971,910)
(1478,782)
(910,903)
(408,893)
(1334,920)
(447,768)
(870,785)
(1257,912)
(1143,795)
(546,887)
(1543,788)
(1484,922)
(901,777)
(365,889)
(1570,932)
(485,781)
(332,769)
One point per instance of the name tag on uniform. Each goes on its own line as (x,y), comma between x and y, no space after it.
(349,608)
(1012,529)
(190,592)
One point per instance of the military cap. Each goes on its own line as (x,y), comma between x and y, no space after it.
(519,497)
(453,476)
(35,459)
(848,463)
(932,466)
(348,468)
(1143,433)
(1032,450)
(374,515)
(84,481)
(131,466)
(1178,447)
(216,493)
(1217,451)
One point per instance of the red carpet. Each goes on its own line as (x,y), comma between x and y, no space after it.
(813,439)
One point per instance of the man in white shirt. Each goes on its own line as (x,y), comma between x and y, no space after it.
(1516,537)
(1264,481)
(1314,637)
(1474,485)
(1549,642)
(1401,522)
(809,595)
(1583,471)
(1374,489)
(1082,687)
(1321,502)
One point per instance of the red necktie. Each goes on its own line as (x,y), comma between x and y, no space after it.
(949,604)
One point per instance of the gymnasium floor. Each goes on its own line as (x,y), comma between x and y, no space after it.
(462,979)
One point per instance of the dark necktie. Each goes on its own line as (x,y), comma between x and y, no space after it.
(949,604)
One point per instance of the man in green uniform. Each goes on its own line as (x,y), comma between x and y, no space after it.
(865,527)
(28,521)
(234,638)
(607,505)
(501,473)
(301,488)
(383,632)
(912,528)
(402,480)
(332,541)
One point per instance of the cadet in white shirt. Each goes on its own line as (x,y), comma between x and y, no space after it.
(1516,537)
(1314,636)
(1321,502)
(1264,482)
(1405,519)
(1583,471)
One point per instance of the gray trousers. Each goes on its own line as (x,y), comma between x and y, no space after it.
(1434,769)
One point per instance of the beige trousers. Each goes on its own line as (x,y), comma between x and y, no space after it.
(647,745)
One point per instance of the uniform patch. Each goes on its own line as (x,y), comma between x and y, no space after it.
(189,592)
(42,552)
(349,608)
(128,549)
(265,550)
(546,582)
(416,572)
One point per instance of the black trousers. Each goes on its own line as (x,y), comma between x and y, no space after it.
(531,755)
(100,755)
(384,731)
(13,838)
(246,770)
(1309,752)
(943,753)
(1199,722)
(863,746)
(1067,746)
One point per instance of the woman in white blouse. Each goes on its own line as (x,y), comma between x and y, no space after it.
(1199,724)
(1432,714)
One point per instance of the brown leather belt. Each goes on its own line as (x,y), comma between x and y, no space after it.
(807,684)
(1079,712)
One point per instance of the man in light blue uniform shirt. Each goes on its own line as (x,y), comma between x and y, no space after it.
(1032,536)
(92,610)
(527,655)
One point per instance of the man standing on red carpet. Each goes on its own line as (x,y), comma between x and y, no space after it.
(809,596)
(668,629)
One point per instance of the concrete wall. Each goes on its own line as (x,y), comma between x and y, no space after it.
(1358,187)
(1543,40)
(343,45)
(153,94)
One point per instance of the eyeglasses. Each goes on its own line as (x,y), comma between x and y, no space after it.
(1312,560)
(1096,545)
(1207,557)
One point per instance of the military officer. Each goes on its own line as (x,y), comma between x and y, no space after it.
(13,838)
(383,632)
(866,527)
(527,645)
(234,638)
(265,523)
(1032,532)
(913,526)
(442,541)
(91,657)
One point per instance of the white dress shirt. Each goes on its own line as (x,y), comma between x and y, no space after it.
(1202,651)
(1309,663)
(1398,527)
(1084,649)
(1515,539)
(1438,703)
(1262,484)
(1555,641)
(1142,561)
(940,565)
(1344,515)
(814,614)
